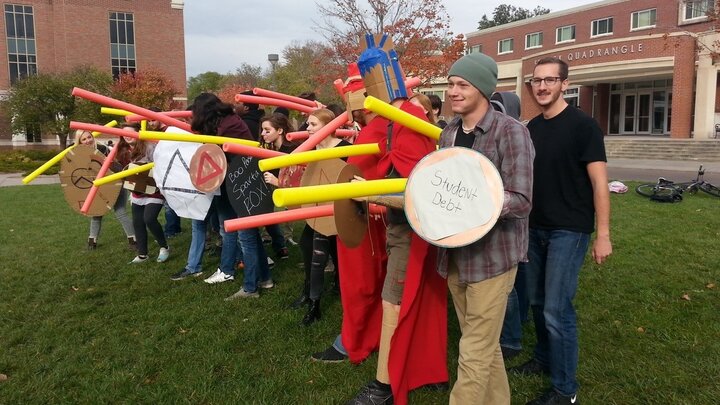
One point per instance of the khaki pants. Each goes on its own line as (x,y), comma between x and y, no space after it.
(480,308)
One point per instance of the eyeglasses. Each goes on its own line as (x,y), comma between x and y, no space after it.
(549,81)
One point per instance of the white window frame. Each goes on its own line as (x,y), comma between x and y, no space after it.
(598,21)
(475,49)
(684,7)
(638,14)
(557,31)
(538,34)
(512,46)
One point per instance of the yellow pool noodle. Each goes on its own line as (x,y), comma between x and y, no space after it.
(284,197)
(121,175)
(114,111)
(401,117)
(315,155)
(50,163)
(181,137)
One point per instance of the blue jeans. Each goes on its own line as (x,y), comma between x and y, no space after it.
(256,265)
(555,258)
(197,246)
(276,234)
(172,221)
(516,312)
(228,255)
(338,345)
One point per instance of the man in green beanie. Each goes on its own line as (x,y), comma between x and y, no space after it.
(481,275)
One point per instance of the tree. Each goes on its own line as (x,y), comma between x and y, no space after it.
(145,88)
(204,82)
(308,67)
(43,103)
(420,32)
(506,13)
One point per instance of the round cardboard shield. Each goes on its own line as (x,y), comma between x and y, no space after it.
(453,197)
(350,216)
(208,168)
(246,188)
(172,175)
(319,173)
(78,170)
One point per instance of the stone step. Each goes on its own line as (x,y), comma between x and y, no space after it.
(663,149)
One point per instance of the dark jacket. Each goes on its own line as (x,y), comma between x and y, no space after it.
(252,119)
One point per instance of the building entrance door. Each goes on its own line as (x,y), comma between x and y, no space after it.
(629,112)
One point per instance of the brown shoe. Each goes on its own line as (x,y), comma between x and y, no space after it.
(92,244)
(132,245)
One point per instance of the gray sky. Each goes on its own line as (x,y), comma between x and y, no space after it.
(220,35)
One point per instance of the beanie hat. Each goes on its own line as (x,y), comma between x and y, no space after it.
(478,69)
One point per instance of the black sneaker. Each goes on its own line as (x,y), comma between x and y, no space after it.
(375,393)
(329,355)
(284,253)
(553,397)
(183,274)
(508,353)
(531,367)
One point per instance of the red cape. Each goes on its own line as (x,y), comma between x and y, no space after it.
(418,351)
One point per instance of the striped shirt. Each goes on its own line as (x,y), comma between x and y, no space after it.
(506,143)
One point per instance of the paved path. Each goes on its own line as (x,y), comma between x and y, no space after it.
(618,169)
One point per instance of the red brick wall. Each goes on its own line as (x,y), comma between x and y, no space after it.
(683,85)
(70,33)
(667,18)
(77,32)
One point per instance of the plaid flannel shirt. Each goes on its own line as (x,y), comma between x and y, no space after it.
(507,144)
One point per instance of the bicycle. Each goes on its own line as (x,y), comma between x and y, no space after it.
(667,190)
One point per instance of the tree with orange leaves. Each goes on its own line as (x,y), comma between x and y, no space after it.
(419,29)
(146,88)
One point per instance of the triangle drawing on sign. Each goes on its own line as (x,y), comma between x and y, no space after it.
(209,166)
(167,174)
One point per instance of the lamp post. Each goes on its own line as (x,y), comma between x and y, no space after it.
(273,58)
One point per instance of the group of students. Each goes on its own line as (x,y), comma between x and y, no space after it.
(394,284)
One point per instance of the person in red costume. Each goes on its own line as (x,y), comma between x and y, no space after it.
(394,303)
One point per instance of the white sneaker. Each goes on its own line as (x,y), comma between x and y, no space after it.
(219,277)
(267,284)
(164,254)
(138,259)
(271,263)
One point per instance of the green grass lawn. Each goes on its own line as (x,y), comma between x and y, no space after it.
(80,326)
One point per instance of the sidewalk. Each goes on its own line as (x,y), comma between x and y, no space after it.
(618,169)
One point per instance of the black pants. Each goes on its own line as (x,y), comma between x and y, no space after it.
(323,246)
(146,217)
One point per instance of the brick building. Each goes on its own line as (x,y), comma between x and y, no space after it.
(640,67)
(44,36)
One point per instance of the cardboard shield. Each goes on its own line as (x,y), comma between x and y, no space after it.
(246,188)
(172,176)
(78,170)
(453,197)
(208,168)
(319,173)
(351,217)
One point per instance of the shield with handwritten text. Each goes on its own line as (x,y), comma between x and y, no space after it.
(453,197)
(246,188)
(78,170)
(316,174)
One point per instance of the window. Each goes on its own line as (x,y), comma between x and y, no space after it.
(20,32)
(505,46)
(603,26)
(696,9)
(122,43)
(572,96)
(643,19)
(534,40)
(565,34)
(439,93)
(475,49)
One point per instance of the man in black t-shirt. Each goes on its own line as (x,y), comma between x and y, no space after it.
(570,200)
